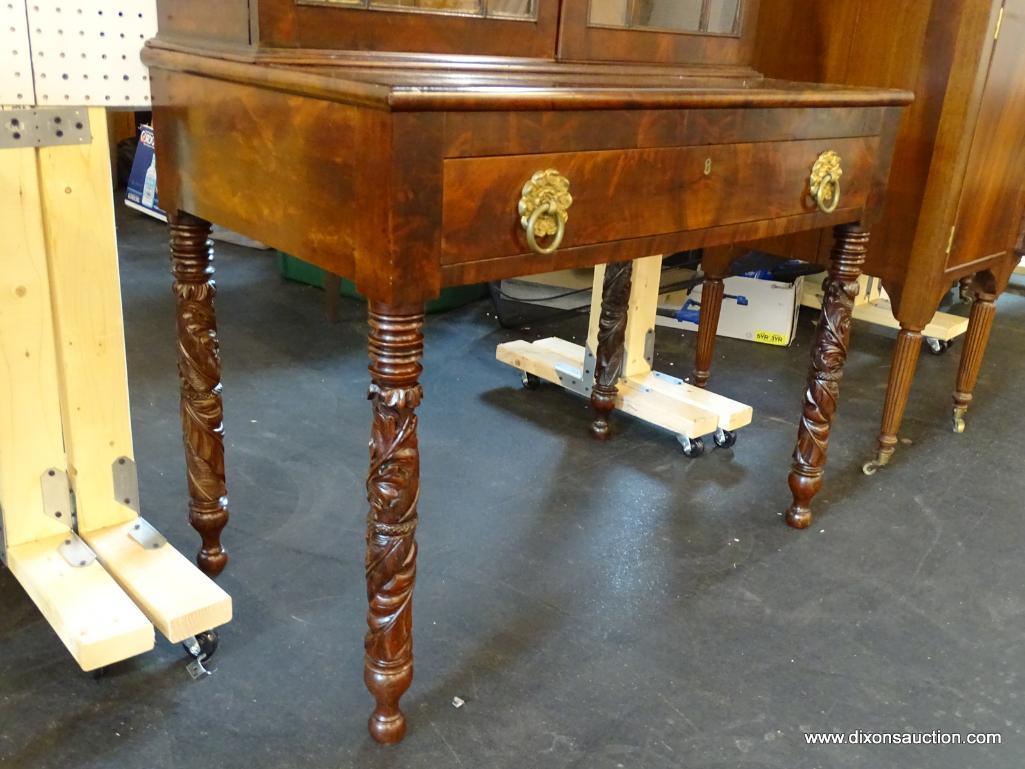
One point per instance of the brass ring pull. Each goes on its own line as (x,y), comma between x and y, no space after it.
(825,181)
(560,229)
(544,209)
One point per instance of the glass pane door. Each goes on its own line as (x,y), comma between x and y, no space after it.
(494,9)
(709,16)
(517,28)
(705,32)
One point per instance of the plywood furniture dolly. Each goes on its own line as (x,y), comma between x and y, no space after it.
(416,144)
(955,211)
(688,412)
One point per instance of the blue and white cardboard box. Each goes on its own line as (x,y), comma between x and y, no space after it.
(142,181)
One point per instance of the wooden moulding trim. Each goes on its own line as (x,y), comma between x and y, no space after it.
(308,81)
(461,273)
(976,265)
(300,83)
(316,57)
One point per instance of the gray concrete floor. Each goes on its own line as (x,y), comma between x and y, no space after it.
(594,605)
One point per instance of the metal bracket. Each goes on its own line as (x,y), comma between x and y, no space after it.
(196,670)
(58,502)
(44,127)
(144,534)
(126,482)
(590,361)
(649,346)
(76,552)
(195,667)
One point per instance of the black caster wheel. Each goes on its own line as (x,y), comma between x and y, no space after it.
(530,381)
(937,346)
(692,447)
(203,645)
(725,439)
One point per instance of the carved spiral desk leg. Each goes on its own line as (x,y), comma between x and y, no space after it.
(829,353)
(902,372)
(393,487)
(611,351)
(980,323)
(708,324)
(199,372)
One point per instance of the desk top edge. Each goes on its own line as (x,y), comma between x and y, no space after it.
(411,83)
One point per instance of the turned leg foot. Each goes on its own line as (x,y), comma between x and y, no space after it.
(393,487)
(829,353)
(708,325)
(609,357)
(980,324)
(902,372)
(199,372)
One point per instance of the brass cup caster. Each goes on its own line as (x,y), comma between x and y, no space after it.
(959,419)
(883,457)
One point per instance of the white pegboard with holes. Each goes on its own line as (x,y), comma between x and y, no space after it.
(15,57)
(83,53)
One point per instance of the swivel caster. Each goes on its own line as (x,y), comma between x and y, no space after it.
(530,381)
(201,647)
(692,447)
(937,346)
(724,439)
(959,420)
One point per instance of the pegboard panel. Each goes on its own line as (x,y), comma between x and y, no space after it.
(87,52)
(15,57)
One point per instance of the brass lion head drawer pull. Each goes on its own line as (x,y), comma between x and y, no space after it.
(825,181)
(544,209)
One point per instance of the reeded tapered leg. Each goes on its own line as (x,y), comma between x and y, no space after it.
(902,372)
(393,486)
(609,357)
(708,324)
(829,353)
(980,323)
(199,372)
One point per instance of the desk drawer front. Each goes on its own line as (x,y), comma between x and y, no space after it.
(636,193)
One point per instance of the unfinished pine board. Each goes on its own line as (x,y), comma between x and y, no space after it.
(943,325)
(90,613)
(731,414)
(174,595)
(560,362)
(552,365)
(86,298)
(30,420)
(563,357)
(593,320)
(676,415)
(640,318)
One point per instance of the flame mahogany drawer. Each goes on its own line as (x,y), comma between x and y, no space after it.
(633,193)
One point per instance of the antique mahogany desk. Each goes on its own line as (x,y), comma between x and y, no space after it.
(416,144)
(955,208)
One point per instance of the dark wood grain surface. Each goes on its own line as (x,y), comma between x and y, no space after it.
(392,148)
